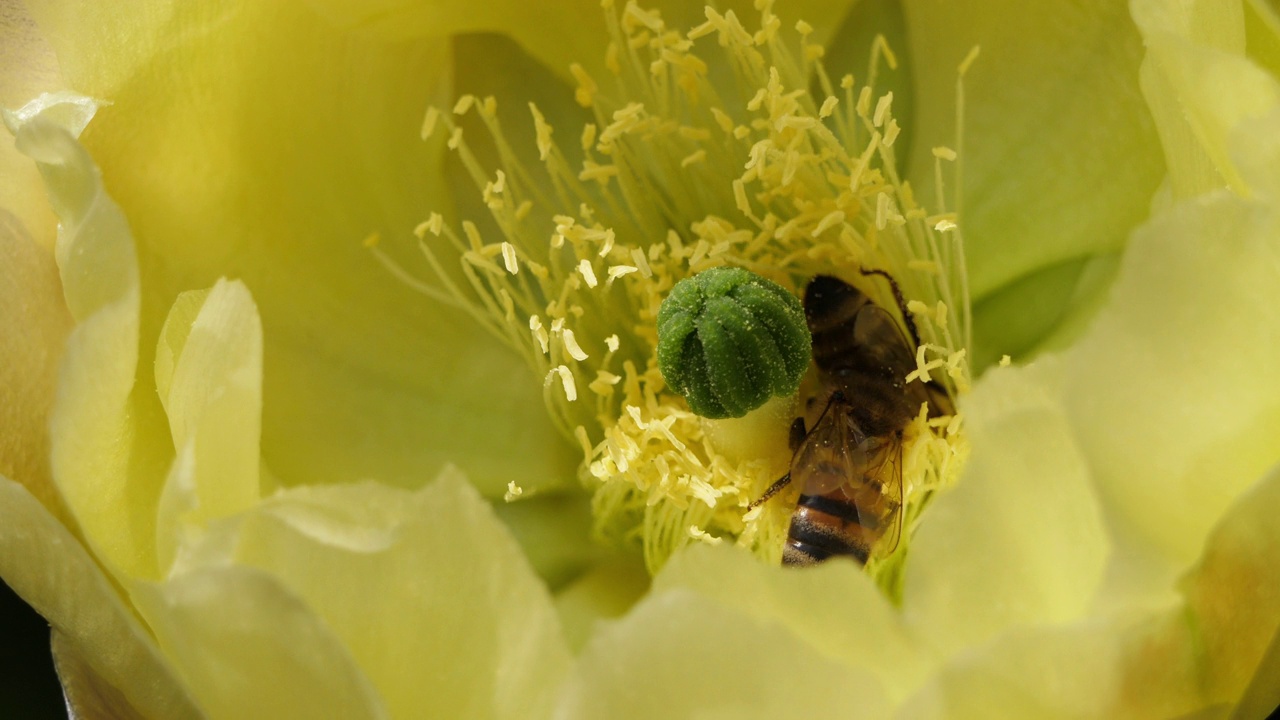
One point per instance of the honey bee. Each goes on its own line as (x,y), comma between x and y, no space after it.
(849,465)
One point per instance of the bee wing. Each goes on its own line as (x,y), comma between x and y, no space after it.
(876,375)
(830,456)
(884,467)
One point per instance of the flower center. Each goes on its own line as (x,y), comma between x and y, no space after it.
(708,149)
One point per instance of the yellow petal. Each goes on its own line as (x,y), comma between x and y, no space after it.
(47,567)
(1020,541)
(247,647)
(209,379)
(1174,392)
(1118,666)
(30,68)
(214,398)
(1051,104)
(845,616)
(679,654)
(292,153)
(34,322)
(108,450)
(1204,93)
(427,591)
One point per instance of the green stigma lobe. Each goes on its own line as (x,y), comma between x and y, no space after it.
(728,340)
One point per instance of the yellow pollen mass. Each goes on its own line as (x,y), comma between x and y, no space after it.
(673,180)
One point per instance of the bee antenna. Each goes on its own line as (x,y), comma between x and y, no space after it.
(902,302)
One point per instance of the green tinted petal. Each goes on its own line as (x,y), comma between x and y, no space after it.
(293,151)
(556,34)
(1263,694)
(427,591)
(607,591)
(555,533)
(247,647)
(680,654)
(1020,540)
(1002,325)
(849,51)
(1060,158)
(1262,34)
(48,567)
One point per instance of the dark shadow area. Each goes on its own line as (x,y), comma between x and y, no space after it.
(28,685)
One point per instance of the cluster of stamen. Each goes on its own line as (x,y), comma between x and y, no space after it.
(679,174)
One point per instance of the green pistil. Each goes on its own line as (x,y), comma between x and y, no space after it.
(728,340)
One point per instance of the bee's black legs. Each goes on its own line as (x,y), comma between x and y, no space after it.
(774,489)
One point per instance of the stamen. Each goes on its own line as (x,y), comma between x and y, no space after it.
(675,179)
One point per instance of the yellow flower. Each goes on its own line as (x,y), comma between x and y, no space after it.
(237,516)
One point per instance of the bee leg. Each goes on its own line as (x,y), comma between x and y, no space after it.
(798,433)
(774,489)
(939,402)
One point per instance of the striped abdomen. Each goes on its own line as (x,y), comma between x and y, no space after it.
(834,524)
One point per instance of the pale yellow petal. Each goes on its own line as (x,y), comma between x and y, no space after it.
(1204,94)
(1174,393)
(845,615)
(680,654)
(46,565)
(108,450)
(247,647)
(1216,651)
(427,591)
(209,379)
(285,156)
(87,693)
(1020,540)
(214,399)
(1128,666)
(100,46)
(34,322)
(1051,107)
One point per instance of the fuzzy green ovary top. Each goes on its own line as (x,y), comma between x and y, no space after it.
(728,340)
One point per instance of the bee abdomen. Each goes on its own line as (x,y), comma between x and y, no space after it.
(823,527)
